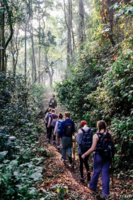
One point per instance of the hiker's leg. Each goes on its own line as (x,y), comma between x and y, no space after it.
(69,150)
(58,141)
(63,148)
(46,127)
(87,168)
(86,163)
(50,132)
(105,178)
(54,136)
(81,166)
(97,164)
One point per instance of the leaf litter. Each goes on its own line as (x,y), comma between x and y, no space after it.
(59,175)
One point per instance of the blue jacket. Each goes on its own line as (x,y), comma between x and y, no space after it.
(61,132)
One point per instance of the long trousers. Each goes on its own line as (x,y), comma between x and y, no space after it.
(50,132)
(47,129)
(66,146)
(58,140)
(100,165)
(85,161)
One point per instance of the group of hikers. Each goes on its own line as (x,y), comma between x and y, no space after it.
(101,142)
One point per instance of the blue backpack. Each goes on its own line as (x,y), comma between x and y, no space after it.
(58,127)
(86,140)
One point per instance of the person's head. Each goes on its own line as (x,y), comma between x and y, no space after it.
(60,116)
(83,122)
(101,125)
(53,96)
(53,111)
(67,114)
(49,109)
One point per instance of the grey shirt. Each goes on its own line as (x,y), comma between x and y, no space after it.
(79,140)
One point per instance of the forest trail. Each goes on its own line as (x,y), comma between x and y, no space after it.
(58,173)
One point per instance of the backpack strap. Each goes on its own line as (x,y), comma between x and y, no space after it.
(88,130)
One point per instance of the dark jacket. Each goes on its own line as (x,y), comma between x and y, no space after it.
(52,103)
(61,132)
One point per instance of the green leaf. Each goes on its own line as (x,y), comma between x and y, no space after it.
(3,154)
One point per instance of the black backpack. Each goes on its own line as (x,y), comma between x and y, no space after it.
(52,103)
(68,129)
(86,140)
(105,146)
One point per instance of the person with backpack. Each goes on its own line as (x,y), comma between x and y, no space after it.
(51,125)
(46,119)
(57,129)
(103,145)
(84,139)
(66,131)
(53,102)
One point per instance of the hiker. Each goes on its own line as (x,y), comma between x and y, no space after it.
(53,102)
(66,131)
(51,125)
(57,129)
(101,162)
(84,139)
(46,119)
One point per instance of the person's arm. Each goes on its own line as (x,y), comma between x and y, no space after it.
(79,136)
(49,121)
(45,117)
(93,147)
(55,129)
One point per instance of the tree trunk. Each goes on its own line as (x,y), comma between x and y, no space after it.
(39,48)
(111,19)
(81,23)
(2,42)
(34,76)
(51,79)
(69,28)
(25,54)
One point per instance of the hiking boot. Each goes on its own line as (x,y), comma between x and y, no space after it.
(82,180)
(70,159)
(88,176)
(53,141)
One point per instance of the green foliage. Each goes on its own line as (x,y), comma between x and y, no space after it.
(20,158)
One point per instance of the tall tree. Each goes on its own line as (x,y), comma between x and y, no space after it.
(81,24)
(34,74)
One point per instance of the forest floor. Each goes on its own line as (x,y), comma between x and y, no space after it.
(56,172)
